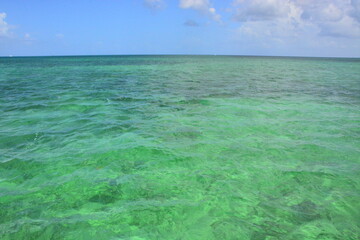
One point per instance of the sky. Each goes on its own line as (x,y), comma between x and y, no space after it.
(322,28)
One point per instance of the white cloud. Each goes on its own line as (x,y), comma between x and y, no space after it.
(269,18)
(196,4)
(334,18)
(4,26)
(203,6)
(345,27)
(154,4)
(262,10)
(331,13)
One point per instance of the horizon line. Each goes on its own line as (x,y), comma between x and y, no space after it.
(223,55)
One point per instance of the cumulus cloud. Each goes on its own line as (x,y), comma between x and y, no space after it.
(203,6)
(268,18)
(335,18)
(154,4)
(4,26)
(321,11)
(261,10)
(345,27)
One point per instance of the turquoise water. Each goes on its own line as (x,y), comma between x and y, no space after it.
(179,147)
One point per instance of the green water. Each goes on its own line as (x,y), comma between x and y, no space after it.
(179,147)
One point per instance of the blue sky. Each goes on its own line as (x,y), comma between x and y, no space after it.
(234,27)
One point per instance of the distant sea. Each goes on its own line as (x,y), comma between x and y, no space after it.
(179,147)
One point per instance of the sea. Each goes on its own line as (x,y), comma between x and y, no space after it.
(179,148)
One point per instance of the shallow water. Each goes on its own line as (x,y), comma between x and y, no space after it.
(179,147)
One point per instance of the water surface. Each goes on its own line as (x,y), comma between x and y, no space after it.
(179,147)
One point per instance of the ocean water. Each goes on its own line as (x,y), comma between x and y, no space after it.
(179,147)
